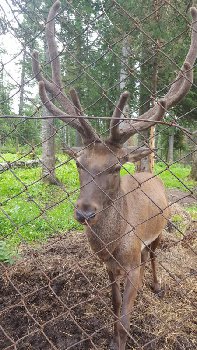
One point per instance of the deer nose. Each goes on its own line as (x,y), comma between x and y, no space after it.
(81,216)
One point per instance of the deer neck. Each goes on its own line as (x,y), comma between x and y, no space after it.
(104,235)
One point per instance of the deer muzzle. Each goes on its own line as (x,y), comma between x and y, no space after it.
(85,213)
(83,216)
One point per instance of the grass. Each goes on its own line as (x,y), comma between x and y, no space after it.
(193,211)
(11,157)
(177,176)
(8,253)
(31,211)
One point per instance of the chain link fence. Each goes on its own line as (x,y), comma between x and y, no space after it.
(55,292)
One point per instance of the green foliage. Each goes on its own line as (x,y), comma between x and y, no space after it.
(5,104)
(30,131)
(180,147)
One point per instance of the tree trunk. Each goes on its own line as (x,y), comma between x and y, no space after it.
(144,99)
(124,76)
(152,146)
(22,85)
(64,137)
(143,164)
(48,142)
(194,167)
(124,63)
(78,139)
(143,137)
(154,94)
(48,151)
(78,54)
(149,76)
(193,173)
(170,157)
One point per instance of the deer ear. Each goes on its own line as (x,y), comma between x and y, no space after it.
(73,152)
(133,154)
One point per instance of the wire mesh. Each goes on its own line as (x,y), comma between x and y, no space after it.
(55,291)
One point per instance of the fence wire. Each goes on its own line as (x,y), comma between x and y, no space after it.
(55,292)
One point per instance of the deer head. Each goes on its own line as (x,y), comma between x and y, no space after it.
(99,161)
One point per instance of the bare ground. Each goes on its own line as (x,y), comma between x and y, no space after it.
(181,197)
(57,297)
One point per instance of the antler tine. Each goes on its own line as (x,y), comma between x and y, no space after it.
(184,80)
(44,85)
(115,119)
(179,88)
(191,56)
(178,91)
(38,72)
(139,153)
(51,87)
(76,102)
(55,86)
(52,45)
(56,75)
(152,115)
(89,131)
(56,111)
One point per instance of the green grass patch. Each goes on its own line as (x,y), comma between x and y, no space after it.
(8,252)
(179,222)
(193,211)
(31,211)
(11,157)
(177,176)
(127,168)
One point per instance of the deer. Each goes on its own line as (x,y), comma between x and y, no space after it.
(124,216)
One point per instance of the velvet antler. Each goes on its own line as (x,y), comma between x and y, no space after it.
(55,86)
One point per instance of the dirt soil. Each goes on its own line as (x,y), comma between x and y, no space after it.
(181,197)
(57,296)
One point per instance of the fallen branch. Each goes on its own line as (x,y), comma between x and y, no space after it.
(19,164)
